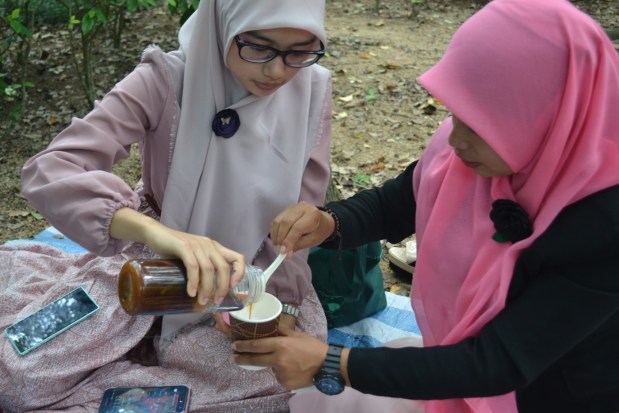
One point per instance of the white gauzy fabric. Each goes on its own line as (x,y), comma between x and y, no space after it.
(231,189)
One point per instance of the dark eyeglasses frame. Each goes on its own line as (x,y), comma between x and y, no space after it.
(240,43)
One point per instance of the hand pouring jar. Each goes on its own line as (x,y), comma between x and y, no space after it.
(159,286)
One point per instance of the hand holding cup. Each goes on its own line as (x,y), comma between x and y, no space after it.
(255,321)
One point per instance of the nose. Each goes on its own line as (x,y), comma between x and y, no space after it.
(275,69)
(457,141)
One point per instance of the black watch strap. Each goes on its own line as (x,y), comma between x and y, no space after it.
(332,361)
(329,380)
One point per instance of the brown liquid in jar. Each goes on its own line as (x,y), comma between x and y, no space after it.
(159,286)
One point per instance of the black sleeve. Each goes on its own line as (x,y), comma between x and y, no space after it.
(564,295)
(386,212)
(532,332)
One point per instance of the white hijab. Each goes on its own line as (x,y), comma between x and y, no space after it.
(231,189)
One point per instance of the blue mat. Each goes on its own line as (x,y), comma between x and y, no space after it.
(51,236)
(397,320)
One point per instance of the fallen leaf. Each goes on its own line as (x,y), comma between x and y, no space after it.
(389,66)
(377,166)
(395,288)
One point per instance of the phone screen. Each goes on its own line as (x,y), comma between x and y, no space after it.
(158,399)
(51,320)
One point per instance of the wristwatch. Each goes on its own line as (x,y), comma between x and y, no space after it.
(290,309)
(329,380)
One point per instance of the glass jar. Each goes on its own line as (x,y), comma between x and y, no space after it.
(159,286)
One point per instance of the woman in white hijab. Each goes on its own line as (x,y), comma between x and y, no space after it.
(233,127)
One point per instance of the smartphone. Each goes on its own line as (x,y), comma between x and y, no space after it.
(51,320)
(157,399)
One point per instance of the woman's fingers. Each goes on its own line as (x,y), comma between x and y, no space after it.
(192,269)
(211,268)
(218,265)
(295,357)
(293,228)
(283,223)
(236,266)
(220,277)
(259,346)
(238,272)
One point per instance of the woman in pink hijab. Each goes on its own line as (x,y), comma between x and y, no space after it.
(233,127)
(515,206)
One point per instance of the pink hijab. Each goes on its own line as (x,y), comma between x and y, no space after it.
(539,82)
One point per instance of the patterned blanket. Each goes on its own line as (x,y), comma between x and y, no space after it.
(395,321)
(77,366)
(72,371)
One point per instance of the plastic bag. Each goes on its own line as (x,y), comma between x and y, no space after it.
(348,282)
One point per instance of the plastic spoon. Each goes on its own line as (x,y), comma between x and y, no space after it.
(267,274)
(271,269)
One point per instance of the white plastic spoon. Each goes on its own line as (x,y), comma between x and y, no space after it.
(271,269)
(261,286)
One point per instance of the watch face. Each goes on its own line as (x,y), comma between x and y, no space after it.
(330,384)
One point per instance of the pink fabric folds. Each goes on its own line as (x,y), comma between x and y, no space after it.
(71,372)
(539,82)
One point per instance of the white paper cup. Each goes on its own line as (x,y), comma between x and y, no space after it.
(258,320)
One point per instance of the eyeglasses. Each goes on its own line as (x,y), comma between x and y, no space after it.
(255,53)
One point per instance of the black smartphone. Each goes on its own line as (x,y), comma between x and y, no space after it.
(51,320)
(155,399)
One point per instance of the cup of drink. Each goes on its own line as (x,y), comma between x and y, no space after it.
(257,320)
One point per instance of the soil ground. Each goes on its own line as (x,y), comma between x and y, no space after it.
(382,118)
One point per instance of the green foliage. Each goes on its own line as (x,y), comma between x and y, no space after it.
(92,18)
(86,20)
(50,12)
(16,25)
(182,7)
(91,15)
(16,30)
(372,94)
(361,180)
(134,5)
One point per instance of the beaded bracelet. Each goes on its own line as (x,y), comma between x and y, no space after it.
(336,231)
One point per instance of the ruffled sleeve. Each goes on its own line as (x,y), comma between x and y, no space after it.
(71,182)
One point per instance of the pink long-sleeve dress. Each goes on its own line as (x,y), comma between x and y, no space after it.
(72,185)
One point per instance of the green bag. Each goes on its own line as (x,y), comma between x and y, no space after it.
(349,283)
